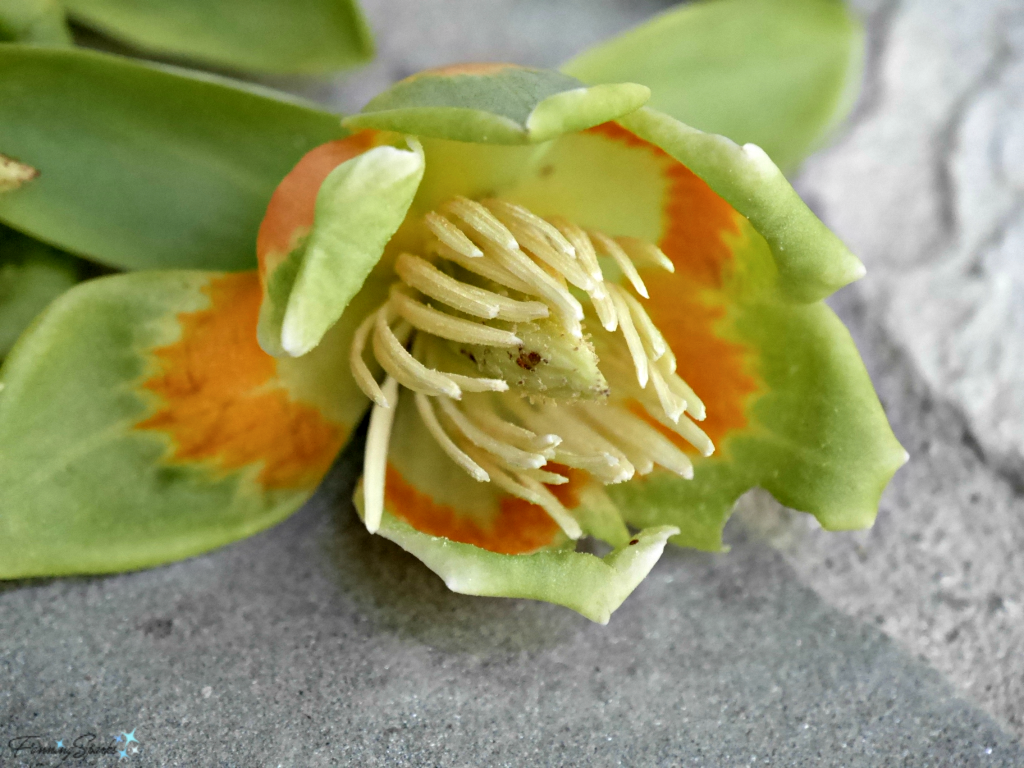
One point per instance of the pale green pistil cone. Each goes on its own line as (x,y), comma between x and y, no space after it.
(488,331)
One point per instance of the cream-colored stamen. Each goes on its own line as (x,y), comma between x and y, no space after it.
(479,411)
(427,279)
(452,236)
(509,453)
(654,343)
(360,371)
(605,308)
(543,476)
(485,268)
(541,284)
(673,405)
(443,325)
(629,333)
(527,488)
(633,433)
(481,221)
(645,254)
(611,248)
(585,252)
(691,433)
(375,457)
(582,447)
(426,411)
(542,240)
(410,372)
(694,405)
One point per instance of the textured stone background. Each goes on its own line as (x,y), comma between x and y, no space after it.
(313,644)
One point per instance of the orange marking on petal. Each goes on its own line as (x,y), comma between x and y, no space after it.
(290,212)
(716,368)
(518,528)
(696,217)
(222,402)
(697,221)
(466,68)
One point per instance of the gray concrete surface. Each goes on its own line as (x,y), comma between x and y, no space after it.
(313,644)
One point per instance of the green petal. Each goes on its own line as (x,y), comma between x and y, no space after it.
(776,73)
(589,585)
(812,262)
(298,36)
(818,440)
(360,205)
(140,423)
(815,433)
(31,276)
(33,21)
(496,104)
(143,166)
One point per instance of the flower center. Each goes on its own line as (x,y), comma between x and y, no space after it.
(519,352)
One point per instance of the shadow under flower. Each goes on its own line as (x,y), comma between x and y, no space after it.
(400,594)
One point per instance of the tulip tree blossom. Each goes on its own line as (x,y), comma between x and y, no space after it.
(564,314)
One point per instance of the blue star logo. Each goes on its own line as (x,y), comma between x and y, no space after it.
(60,745)
(129,738)
(117,739)
(123,754)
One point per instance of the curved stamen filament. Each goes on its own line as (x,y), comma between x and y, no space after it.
(485,268)
(611,248)
(645,254)
(443,325)
(451,236)
(529,489)
(694,405)
(629,333)
(581,245)
(410,372)
(654,343)
(513,456)
(479,411)
(481,221)
(637,435)
(427,279)
(360,371)
(426,411)
(375,458)
(542,240)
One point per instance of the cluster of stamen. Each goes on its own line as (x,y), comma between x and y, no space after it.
(491,270)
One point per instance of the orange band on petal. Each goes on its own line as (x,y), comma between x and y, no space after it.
(467,68)
(518,528)
(221,400)
(290,212)
(695,216)
(689,306)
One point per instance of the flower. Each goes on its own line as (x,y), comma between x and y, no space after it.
(571,315)
(556,302)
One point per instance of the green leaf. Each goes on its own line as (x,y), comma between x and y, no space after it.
(776,73)
(31,276)
(359,207)
(143,166)
(812,262)
(496,104)
(297,36)
(33,21)
(589,585)
(87,487)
